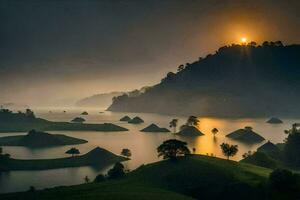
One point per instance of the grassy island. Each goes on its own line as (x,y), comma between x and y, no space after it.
(39,139)
(97,157)
(24,122)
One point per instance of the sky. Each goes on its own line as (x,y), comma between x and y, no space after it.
(58,51)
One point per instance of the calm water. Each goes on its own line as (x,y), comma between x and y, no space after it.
(142,145)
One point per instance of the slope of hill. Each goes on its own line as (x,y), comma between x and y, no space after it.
(211,178)
(236,81)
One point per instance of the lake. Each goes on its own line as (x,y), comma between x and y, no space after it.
(142,145)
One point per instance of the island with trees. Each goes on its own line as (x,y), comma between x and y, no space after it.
(155,128)
(136,120)
(39,139)
(246,135)
(278,155)
(26,121)
(97,157)
(190,127)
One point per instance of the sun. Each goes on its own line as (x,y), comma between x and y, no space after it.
(243,39)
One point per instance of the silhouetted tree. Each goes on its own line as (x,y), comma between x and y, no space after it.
(214,131)
(173,124)
(180,68)
(229,150)
(266,43)
(29,113)
(117,171)
(126,153)
(73,151)
(252,43)
(192,121)
(172,149)
(194,150)
(86,179)
(278,43)
(99,178)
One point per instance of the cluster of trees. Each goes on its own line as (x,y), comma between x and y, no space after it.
(28,112)
(291,149)
(172,149)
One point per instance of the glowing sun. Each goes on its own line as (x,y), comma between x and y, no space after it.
(243,39)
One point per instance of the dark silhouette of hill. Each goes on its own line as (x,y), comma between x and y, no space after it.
(24,122)
(154,128)
(246,135)
(97,157)
(236,81)
(39,139)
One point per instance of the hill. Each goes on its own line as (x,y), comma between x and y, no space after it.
(190,131)
(39,139)
(211,178)
(97,157)
(246,135)
(154,128)
(236,81)
(98,100)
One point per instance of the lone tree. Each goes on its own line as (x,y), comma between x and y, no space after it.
(126,153)
(229,150)
(29,113)
(117,171)
(173,124)
(172,149)
(73,151)
(192,121)
(214,131)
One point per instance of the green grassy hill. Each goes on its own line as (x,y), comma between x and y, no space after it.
(96,157)
(198,177)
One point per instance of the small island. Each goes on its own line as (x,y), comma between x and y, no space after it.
(268,147)
(39,139)
(84,113)
(97,157)
(136,120)
(190,127)
(24,122)
(274,120)
(154,128)
(78,120)
(246,135)
(189,131)
(125,119)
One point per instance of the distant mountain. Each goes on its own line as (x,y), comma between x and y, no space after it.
(98,100)
(236,81)
(105,100)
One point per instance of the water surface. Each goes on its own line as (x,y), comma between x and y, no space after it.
(143,145)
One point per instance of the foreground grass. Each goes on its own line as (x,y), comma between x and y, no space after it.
(199,177)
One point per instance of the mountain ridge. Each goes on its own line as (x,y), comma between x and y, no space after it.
(236,81)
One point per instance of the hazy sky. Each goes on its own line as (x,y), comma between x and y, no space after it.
(54,50)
